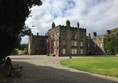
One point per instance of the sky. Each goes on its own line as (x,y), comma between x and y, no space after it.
(94,15)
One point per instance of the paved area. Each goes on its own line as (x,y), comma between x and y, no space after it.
(45,69)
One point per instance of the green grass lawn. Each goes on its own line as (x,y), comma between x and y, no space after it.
(100,65)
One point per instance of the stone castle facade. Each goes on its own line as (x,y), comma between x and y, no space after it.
(65,41)
(95,44)
(37,45)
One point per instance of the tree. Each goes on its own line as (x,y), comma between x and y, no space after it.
(13,14)
(110,44)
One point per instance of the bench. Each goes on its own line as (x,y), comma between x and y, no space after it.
(16,70)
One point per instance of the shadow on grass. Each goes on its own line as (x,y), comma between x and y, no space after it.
(46,74)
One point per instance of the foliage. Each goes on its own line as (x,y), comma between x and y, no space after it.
(12,20)
(110,44)
(114,30)
(21,50)
(101,65)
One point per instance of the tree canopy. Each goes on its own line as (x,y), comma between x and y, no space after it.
(111,44)
(13,14)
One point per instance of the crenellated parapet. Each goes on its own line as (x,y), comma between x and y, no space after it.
(82,29)
(68,26)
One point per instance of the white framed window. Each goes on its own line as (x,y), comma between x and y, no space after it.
(81,43)
(82,51)
(73,51)
(75,43)
(64,51)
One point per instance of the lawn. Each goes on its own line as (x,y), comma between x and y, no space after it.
(100,65)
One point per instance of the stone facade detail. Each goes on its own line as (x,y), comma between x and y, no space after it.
(95,44)
(67,40)
(37,45)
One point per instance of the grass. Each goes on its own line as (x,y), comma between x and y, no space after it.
(100,65)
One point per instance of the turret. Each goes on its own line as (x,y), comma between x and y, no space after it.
(53,25)
(68,23)
(89,35)
(37,34)
(77,24)
(94,34)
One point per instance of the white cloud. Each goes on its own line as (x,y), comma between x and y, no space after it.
(95,15)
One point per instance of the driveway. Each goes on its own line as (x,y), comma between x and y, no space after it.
(45,69)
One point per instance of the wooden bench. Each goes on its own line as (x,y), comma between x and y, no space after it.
(16,70)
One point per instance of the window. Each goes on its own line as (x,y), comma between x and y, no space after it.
(64,51)
(73,43)
(73,51)
(81,43)
(82,51)
(63,33)
(57,43)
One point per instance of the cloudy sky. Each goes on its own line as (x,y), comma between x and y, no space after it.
(94,15)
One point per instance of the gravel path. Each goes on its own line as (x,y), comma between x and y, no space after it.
(45,69)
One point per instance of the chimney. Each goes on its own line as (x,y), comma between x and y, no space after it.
(37,34)
(67,23)
(77,24)
(94,34)
(53,25)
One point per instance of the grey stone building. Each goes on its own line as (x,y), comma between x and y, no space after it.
(37,45)
(67,40)
(95,44)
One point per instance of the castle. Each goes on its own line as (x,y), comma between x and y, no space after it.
(65,41)
(37,45)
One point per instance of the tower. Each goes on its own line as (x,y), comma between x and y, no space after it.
(68,23)
(77,24)
(53,25)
